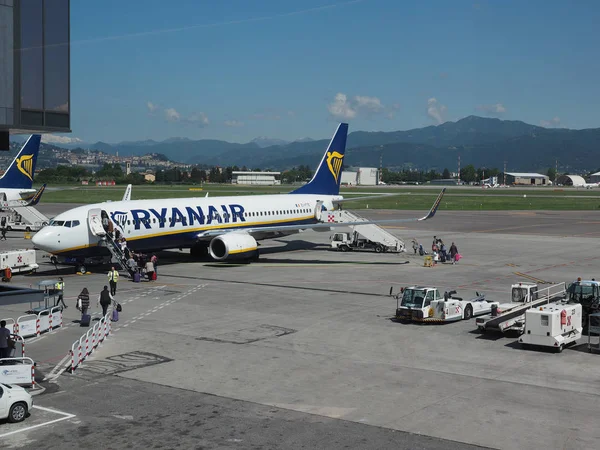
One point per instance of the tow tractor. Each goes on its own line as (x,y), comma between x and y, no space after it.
(425,304)
(511,316)
(586,293)
(353,241)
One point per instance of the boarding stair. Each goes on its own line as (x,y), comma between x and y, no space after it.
(510,318)
(370,231)
(115,250)
(31,215)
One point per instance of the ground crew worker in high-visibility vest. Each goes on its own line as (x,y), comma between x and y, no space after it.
(59,290)
(113,277)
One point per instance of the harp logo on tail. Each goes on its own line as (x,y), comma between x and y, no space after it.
(25,166)
(334,162)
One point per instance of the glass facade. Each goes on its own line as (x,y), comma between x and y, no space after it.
(44,63)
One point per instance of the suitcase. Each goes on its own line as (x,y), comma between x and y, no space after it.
(85,320)
(115,315)
(136,277)
(153,276)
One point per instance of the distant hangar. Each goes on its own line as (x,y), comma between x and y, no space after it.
(571,180)
(526,178)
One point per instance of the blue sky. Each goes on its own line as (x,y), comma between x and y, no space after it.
(234,69)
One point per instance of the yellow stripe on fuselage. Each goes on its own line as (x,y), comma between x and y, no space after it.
(188,230)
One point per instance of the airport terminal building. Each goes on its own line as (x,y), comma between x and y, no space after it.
(34,67)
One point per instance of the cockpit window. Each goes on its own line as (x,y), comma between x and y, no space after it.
(75,223)
(68,224)
(57,223)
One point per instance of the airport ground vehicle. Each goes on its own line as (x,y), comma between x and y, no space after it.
(554,325)
(15,222)
(511,316)
(425,304)
(451,308)
(18,261)
(354,241)
(15,402)
(586,293)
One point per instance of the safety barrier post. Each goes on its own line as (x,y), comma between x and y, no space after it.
(33,376)
(94,342)
(81,357)
(38,325)
(75,346)
(88,345)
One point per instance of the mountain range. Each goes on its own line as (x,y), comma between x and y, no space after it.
(483,142)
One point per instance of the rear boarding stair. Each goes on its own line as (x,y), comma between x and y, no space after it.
(371,231)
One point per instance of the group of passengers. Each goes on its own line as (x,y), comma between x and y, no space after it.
(440,253)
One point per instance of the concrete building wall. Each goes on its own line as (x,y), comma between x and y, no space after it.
(350,178)
(6,62)
(368,176)
(527,181)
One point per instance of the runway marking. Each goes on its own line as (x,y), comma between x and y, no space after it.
(22,430)
(58,369)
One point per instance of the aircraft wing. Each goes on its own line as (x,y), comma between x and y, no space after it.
(32,201)
(275,228)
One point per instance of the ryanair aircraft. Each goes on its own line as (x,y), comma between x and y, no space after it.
(17,182)
(224,227)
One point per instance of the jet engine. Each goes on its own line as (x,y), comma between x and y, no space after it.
(233,246)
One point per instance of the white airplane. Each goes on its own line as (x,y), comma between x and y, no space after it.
(17,182)
(224,227)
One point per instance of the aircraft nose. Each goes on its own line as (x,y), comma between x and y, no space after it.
(44,240)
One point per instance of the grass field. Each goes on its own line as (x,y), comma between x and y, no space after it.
(406,198)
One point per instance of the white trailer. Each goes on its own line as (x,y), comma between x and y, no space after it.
(554,325)
(18,261)
(451,308)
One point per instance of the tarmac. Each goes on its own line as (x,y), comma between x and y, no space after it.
(298,350)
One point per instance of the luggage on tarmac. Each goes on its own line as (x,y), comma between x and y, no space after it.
(136,277)
(85,320)
(115,315)
(153,276)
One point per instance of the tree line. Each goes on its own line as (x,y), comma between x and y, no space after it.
(203,174)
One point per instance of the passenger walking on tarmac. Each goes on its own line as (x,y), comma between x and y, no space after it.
(3,233)
(60,290)
(415,245)
(104,300)
(154,260)
(453,252)
(113,278)
(4,338)
(150,271)
(83,301)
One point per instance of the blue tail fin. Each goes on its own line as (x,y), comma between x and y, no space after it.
(328,176)
(19,174)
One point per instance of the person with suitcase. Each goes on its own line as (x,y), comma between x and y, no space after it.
(83,301)
(104,300)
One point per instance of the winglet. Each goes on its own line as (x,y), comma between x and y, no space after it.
(435,206)
(127,194)
(37,197)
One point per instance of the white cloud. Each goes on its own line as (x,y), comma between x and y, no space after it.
(234,123)
(341,107)
(492,110)
(370,103)
(555,122)
(199,119)
(55,139)
(291,114)
(151,107)
(172,115)
(435,110)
